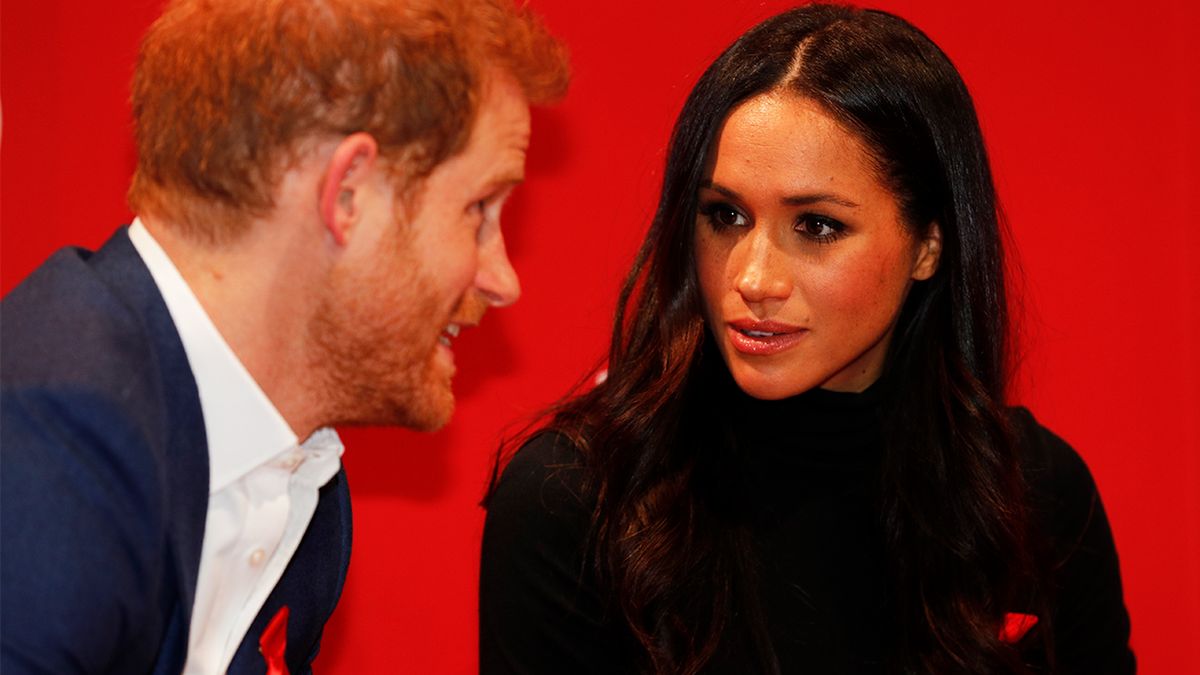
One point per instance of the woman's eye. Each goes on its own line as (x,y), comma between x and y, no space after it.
(819,228)
(723,215)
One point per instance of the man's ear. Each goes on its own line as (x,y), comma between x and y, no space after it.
(929,253)
(341,189)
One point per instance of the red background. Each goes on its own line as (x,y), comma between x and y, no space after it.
(1091,112)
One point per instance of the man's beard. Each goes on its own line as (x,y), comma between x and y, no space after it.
(375,338)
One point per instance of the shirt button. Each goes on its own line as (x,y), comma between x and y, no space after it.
(256,558)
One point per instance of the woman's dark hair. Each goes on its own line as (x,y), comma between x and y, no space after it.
(952,501)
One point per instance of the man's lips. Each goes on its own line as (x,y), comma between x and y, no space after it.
(466,314)
(451,332)
(762,338)
(456,326)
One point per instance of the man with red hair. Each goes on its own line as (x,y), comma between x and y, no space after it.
(318,190)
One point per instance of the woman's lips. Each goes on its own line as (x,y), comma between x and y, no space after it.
(763,338)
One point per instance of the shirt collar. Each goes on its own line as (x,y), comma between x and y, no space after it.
(244,428)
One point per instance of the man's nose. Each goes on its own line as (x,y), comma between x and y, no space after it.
(496,279)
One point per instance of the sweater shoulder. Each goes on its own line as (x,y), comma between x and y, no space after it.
(547,472)
(1057,476)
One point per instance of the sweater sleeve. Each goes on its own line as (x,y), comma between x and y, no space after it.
(1090,623)
(539,608)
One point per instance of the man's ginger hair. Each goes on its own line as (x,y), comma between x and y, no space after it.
(226,93)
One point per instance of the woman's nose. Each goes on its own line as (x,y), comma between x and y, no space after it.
(761,268)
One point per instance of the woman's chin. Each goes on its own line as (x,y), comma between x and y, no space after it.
(767,388)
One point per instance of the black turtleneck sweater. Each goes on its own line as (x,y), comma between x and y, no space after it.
(808,468)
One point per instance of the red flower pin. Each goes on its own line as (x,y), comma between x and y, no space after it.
(1016,625)
(273,643)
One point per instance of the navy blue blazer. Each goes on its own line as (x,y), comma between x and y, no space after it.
(104,483)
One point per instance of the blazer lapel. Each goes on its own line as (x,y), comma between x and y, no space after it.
(185,443)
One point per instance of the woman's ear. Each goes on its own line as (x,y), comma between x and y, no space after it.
(928,254)
(344,182)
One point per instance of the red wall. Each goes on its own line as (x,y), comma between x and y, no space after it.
(1090,110)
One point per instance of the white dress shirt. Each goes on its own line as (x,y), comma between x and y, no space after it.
(262,483)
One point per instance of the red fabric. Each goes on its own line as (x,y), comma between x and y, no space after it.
(273,643)
(1016,625)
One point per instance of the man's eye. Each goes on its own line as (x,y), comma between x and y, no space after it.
(478,212)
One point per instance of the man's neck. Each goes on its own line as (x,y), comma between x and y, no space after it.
(260,292)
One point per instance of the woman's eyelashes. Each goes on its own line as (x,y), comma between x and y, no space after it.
(812,226)
(821,229)
(722,216)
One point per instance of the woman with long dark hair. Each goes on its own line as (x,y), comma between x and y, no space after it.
(802,460)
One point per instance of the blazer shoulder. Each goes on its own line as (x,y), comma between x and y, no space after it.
(94,326)
(104,475)
(65,322)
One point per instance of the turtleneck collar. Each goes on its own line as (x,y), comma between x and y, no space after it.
(819,427)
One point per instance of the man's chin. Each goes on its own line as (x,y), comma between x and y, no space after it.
(433,422)
(422,402)
(432,412)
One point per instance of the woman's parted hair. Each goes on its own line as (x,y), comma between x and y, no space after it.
(226,92)
(952,498)
(887,82)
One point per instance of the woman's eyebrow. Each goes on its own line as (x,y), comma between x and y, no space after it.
(709,185)
(790,200)
(818,197)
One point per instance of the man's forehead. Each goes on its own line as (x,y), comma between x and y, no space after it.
(506,111)
(502,128)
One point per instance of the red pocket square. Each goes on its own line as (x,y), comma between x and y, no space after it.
(273,643)
(1016,625)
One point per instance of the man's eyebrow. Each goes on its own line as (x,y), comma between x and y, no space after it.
(505,180)
(790,200)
